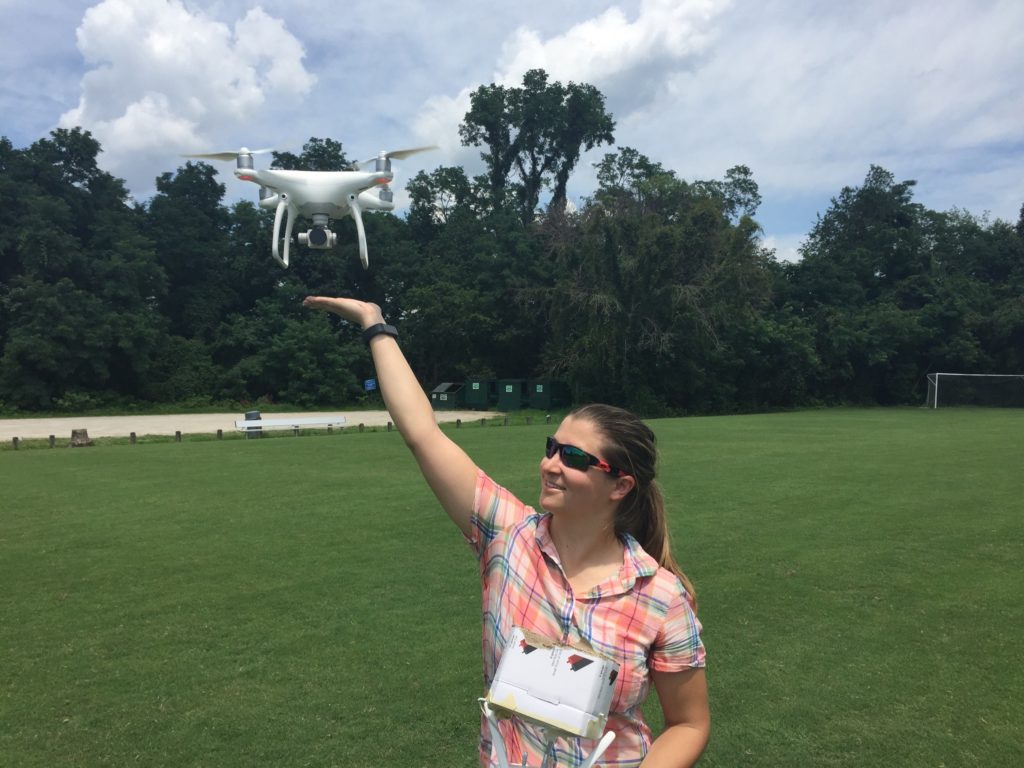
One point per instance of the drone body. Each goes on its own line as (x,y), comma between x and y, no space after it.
(318,195)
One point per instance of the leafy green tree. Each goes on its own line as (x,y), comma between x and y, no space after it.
(490,122)
(12,195)
(58,343)
(279,351)
(317,155)
(870,238)
(187,218)
(978,281)
(853,257)
(738,192)
(895,291)
(82,283)
(659,296)
(534,135)
(181,371)
(627,180)
(437,197)
(470,303)
(249,266)
(582,125)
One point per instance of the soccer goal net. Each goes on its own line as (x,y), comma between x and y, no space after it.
(1003,390)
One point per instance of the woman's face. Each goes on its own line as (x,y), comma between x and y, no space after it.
(571,491)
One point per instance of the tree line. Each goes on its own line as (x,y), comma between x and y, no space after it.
(658,293)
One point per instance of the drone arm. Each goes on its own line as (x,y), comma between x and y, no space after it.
(355,208)
(370,200)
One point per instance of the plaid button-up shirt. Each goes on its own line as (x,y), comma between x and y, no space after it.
(641,617)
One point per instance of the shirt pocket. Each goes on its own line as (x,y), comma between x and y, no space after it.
(632,682)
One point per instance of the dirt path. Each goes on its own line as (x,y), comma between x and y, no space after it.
(193,423)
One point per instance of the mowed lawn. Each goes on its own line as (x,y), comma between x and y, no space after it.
(303,601)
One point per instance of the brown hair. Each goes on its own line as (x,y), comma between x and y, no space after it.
(630,445)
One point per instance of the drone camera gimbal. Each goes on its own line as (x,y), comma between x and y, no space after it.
(318,237)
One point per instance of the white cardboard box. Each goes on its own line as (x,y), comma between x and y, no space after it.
(557,686)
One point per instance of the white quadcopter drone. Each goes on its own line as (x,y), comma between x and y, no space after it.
(320,195)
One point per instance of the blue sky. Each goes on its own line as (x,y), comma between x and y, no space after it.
(807,94)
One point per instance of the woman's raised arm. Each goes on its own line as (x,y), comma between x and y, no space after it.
(449,471)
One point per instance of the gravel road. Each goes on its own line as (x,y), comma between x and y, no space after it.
(192,423)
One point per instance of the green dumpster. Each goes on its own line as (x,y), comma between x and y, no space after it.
(512,394)
(448,396)
(480,394)
(546,395)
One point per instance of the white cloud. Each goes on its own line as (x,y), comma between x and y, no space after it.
(807,94)
(150,121)
(786,247)
(165,78)
(810,95)
(262,38)
(626,59)
(611,50)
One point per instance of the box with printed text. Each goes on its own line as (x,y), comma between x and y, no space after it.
(558,686)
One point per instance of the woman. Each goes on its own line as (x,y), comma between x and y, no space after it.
(594,569)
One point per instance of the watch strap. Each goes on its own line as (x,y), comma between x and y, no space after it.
(379,328)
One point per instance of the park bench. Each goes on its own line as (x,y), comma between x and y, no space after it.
(294,424)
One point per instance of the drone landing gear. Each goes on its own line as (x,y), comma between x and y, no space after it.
(283,209)
(357,213)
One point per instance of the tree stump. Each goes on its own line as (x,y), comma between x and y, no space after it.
(80,438)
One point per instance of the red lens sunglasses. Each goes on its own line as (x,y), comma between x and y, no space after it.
(577,458)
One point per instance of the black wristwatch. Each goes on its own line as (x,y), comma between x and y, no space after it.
(379,328)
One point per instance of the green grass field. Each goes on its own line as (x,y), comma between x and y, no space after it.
(303,602)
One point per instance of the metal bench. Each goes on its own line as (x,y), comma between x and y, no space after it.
(294,424)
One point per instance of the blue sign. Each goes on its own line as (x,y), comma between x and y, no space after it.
(370,384)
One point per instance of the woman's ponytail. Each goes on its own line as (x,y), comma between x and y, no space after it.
(630,445)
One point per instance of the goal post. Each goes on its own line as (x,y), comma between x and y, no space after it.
(1004,390)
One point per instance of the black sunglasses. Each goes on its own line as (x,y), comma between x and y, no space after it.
(577,458)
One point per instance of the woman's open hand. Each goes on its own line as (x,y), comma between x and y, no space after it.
(362,313)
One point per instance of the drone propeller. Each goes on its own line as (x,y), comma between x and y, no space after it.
(396,154)
(231,155)
(401,154)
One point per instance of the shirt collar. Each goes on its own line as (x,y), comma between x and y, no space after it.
(544,540)
(636,563)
